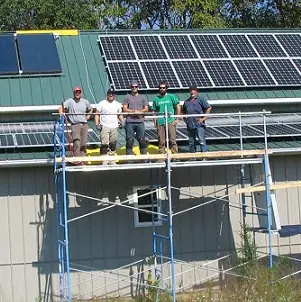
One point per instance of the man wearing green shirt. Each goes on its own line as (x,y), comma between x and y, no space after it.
(173,108)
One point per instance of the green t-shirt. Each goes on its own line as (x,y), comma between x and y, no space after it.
(171,101)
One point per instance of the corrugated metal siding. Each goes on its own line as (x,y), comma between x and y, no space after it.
(108,240)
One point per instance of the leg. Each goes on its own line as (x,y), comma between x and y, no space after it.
(84,139)
(76,131)
(200,132)
(172,138)
(140,135)
(129,131)
(104,138)
(113,143)
(191,139)
(161,138)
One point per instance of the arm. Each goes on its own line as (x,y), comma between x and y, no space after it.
(88,115)
(96,117)
(61,109)
(153,109)
(203,118)
(178,112)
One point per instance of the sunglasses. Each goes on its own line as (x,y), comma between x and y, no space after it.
(162,87)
(134,86)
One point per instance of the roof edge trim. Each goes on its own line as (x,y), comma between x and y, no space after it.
(54,108)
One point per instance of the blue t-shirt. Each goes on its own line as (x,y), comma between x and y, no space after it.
(197,105)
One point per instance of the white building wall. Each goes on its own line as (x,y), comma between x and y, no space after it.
(108,240)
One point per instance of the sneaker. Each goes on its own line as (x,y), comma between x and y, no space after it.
(112,163)
(204,159)
(192,159)
(78,163)
(105,162)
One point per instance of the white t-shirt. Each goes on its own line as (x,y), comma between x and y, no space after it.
(104,107)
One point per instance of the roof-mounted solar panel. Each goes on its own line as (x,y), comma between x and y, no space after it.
(8,55)
(38,54)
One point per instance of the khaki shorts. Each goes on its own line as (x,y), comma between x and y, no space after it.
(108,135)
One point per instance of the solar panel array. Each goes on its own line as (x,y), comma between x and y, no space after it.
(28,54)
(27,135)
(36,135)
(205,60)
(252,128)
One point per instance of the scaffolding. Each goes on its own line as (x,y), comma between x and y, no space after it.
(161,263)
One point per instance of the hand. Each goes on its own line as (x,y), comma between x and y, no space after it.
(87,117)
(175,122)
(121,125)
(99,127)
(202,120)
(155,123)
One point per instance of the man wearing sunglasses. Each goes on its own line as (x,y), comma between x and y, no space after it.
(173,107)
(136,104)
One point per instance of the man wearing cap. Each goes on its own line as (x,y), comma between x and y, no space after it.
(196,125)
(173,107)
(80,110)
(136,104)
(107,120)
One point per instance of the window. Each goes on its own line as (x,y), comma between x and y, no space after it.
(145,202)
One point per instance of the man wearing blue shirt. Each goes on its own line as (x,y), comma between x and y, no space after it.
(196,125)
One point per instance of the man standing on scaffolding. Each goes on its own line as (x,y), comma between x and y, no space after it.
(136,104)
(108,118)
(196,125)
(173,107)
(80,110)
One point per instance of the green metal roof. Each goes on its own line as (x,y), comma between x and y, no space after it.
(83,65)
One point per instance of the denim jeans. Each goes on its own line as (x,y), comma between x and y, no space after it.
(193,134)
(132,128)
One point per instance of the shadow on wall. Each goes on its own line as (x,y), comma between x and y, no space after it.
(108,239)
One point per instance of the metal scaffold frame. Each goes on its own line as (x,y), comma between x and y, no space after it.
(160,261)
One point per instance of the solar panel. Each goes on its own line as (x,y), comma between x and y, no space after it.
(238,46)
(291,44)
(192,73)
(266,45)
(6,141)
(148,47)
(8,55)
(34,139)
(205,60)
(284,71)
(38,54)
(298,63)
(254,73)
(155,72)
(208,46)
(223,73)
(179,47)
(123,73)
(117,48)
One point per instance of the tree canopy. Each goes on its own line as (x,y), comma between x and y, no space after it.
(148,14)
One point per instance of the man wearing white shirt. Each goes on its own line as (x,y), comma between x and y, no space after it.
(108,120)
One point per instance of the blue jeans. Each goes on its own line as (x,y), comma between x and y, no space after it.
(193,134)
(133,130)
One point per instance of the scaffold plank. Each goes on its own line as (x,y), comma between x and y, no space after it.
(211,155)
(278,186)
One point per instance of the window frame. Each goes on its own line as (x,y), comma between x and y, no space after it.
(138,223)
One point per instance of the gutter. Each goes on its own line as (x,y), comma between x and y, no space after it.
(49,162)
(229,102)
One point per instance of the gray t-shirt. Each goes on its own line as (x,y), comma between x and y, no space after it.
(135,102)
(82,106)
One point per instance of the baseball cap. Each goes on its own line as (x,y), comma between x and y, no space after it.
(111,91)
(134,83)
(193,88)
(77,88)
